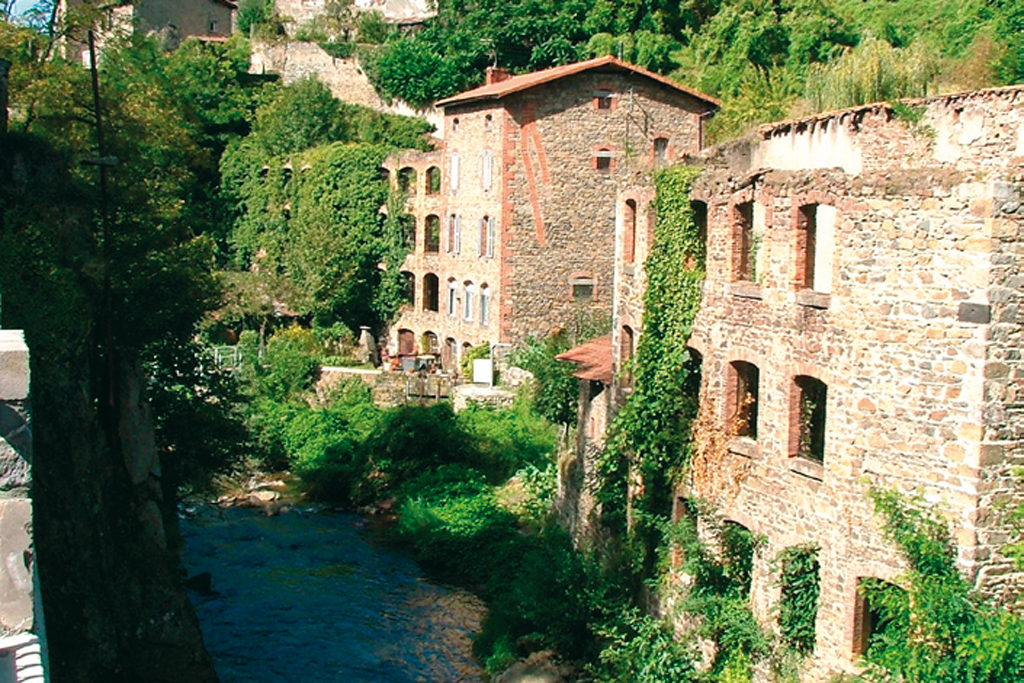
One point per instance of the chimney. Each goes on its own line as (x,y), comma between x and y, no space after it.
(4,67)
(497,74)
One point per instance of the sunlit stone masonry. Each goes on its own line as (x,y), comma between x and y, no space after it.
(861,326)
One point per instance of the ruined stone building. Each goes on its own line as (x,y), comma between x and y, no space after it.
(512,220)
(860,326)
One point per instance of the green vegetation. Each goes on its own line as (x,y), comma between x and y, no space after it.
(798,604)
(764,60)
(936,629)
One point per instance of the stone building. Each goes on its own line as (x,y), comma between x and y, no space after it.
(173,20)
(860,326)
(512,220)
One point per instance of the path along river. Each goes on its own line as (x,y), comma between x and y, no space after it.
(303,597)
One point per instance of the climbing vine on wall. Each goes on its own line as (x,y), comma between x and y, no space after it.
(649,438)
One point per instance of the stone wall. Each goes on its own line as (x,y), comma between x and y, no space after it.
(21,624)
(560,209)
(915,333)
(294,61)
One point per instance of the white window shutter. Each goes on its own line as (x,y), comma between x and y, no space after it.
(454,180)
(491,235)
(485,174)
(458,234)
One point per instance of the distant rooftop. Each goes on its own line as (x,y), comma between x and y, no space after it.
(593,360)
(514,84)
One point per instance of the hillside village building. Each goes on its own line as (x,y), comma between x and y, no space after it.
(860,326)
(512,220)
(174,20)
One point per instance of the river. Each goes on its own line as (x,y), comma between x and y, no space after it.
(303,596)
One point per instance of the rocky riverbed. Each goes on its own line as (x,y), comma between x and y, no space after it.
(303,596)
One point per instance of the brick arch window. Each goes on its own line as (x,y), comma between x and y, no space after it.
(603,99)
(408,227)
(485,305)
(738,543)
(660,150)
(808,412)
(432,236)
(743,248)
(468,300)
(433,180)
(406,342)
(629,231)
(450,354)
(453,297)
(408,287)
(454,241)
(743,387)
(604,159)
(407,179)
(430,343)
(431,286)
(486,230)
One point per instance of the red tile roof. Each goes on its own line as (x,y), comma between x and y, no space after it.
(496,91)
(593,359)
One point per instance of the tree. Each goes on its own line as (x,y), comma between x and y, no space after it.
(99,274)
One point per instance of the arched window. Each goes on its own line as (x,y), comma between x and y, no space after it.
(488,122)
(406,342)
(433,180)
(408,287)
(454,234)
(430,292)
(407,180)
(408,227)
(486,163)
(453,297)
(468,299)
(430,344)
(629,232)
(432,238)
(485,305)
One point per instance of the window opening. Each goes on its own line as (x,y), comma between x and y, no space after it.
(406,342)
(746,388)
(629,236)
(798,600)
(486,162)
(603,99)
(812,397)
(485,305)
(467,301)
(453,297)
(603,160)
(660,149)
(582,289)
(432,238)
(430,292)
(744,247)
(699,211)
(407,180)
(815,235)
(488,122)
(433,180)
(408,227)
(454,180)
(408,287)
(870,619)
(455,125)
(454,234)
(626,350)
(430,344)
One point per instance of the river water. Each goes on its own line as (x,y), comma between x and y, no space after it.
(303,596)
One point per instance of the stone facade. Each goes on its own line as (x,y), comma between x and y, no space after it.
(872,264)
(529,170)
(21,624)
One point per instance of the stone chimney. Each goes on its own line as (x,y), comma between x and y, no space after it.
(4,67)
(497,74)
